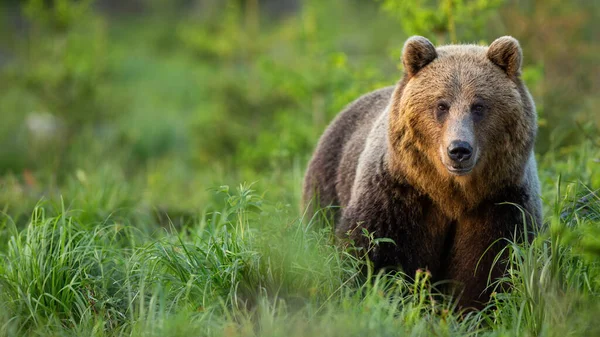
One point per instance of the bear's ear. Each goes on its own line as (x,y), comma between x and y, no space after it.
(416,54)
(506,53)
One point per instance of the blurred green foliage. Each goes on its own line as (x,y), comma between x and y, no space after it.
(443,18)
(180,96)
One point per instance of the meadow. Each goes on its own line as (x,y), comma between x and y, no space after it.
(152,155)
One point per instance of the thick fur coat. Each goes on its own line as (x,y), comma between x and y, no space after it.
(442,164)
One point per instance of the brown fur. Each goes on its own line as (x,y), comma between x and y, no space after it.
(382,161)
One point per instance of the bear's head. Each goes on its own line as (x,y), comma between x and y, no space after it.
(461,119)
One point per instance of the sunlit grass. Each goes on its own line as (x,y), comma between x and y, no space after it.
(249,267)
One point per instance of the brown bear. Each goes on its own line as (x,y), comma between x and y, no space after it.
(442,164)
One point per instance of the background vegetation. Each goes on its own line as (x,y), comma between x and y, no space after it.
(152,152)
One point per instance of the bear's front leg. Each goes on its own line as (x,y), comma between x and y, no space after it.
(399,213)
(480,235)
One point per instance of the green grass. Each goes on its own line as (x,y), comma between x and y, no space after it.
(250,267)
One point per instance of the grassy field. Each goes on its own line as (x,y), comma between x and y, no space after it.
(151,163)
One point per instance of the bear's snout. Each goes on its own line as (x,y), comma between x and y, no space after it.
(459,151)
(459,157)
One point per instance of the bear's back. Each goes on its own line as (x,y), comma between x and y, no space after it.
(339,149)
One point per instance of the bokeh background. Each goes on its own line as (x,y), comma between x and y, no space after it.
(145,107)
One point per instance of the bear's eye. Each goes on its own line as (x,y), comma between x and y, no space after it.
(478,109)
(441,110)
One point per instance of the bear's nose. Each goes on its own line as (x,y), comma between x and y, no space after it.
(460,151)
